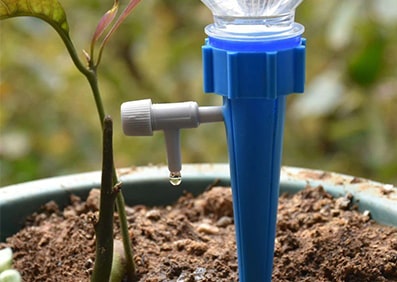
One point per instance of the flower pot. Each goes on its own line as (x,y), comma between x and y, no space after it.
(149,186)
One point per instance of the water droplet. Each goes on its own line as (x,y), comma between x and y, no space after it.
(175,178)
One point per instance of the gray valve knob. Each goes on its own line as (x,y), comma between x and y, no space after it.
(141,118)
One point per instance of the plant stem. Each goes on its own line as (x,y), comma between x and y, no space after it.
(104,226)
(120,203)
(129,258)
(91,75)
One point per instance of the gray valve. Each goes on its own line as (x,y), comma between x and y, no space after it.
(141,118)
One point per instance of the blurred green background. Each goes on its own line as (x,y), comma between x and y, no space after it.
(345,122)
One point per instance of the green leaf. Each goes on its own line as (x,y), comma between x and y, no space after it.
(50,11)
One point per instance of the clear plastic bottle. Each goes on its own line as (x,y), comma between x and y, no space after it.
(253,19)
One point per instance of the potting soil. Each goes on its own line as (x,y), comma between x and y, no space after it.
(319,238)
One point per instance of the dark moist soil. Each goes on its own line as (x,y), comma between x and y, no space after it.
(318,239)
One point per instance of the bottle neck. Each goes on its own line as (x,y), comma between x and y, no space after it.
(256,39)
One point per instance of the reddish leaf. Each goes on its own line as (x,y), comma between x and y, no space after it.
(105,21)
(124,15)
(131,5)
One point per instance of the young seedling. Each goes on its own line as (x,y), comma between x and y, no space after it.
(7,274)
(52,12)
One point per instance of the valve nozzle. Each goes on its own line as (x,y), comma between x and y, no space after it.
(141,118)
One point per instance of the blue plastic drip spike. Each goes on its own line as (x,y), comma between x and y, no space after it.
(254,83)
(254,74)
